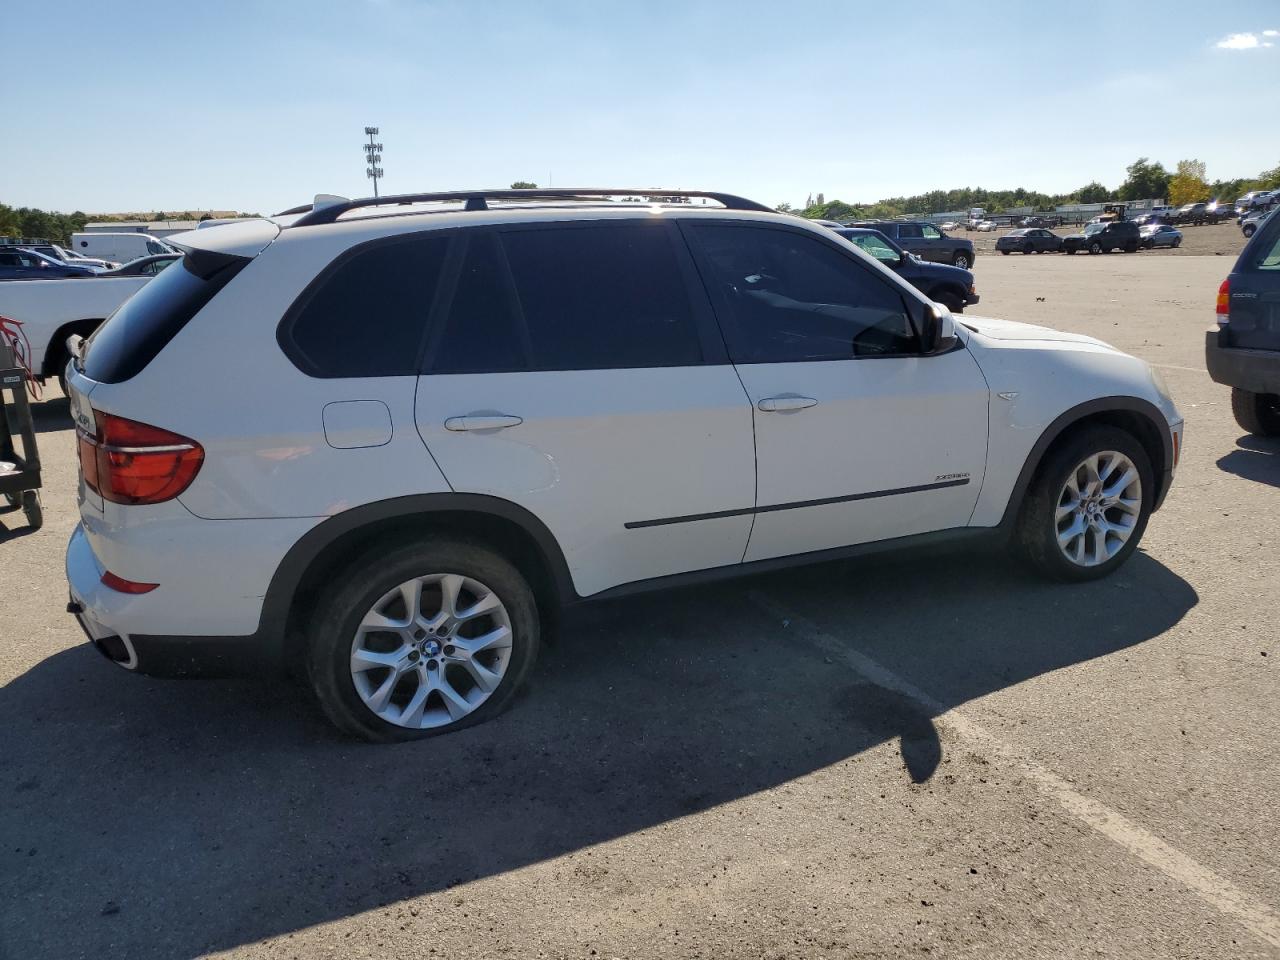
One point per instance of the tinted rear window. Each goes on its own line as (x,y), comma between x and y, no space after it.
(366,316)
(142,326)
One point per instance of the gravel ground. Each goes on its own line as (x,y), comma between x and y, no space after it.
(929,755)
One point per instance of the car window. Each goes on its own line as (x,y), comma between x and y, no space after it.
(909,231)
(604,296)
(481,331)
(366,316)
(876,246)
(930,233)
(1271,259)
(789,297)
(10,259)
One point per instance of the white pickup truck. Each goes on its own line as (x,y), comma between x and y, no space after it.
(52,310)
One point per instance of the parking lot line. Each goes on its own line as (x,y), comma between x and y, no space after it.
(1216,891)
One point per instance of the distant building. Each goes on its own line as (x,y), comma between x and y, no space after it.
(157,228)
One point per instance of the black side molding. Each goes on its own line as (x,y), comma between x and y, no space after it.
(797,504)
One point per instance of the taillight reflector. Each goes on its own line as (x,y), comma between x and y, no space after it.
(1224,303)
(128,462)
(122,585)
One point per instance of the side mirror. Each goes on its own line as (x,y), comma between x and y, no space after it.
(939,330)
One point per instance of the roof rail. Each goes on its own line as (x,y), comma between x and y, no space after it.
(478,200)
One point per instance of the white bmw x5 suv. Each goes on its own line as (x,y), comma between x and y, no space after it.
(379,440)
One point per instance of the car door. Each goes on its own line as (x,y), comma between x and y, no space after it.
(575,370)
(859,437)
(911,238)
(937,247)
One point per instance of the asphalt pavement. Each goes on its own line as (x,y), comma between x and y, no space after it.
(927,755)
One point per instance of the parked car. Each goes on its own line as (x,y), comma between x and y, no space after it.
(1197,214)
(394,502)
(52,310)
(1252,200)
(1029,241)
(951,286)
(949,225)
(1159,235)
(58,252)
(20,263)
(1104,237)
(1040,221)
(924,240)
(1250,224)
(1242,350)
(985,226)
(118,247)
(143,266)
(1148,219)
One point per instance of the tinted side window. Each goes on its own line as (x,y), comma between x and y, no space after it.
(608,295)
(482,332)
(930,233)
(788,297)
(909,231)
(366,316)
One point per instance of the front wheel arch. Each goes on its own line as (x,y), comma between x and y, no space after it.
(1132,414)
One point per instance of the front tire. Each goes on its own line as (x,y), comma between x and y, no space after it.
(1248,231)
(1095,247)
(962,260)
(1257,413)
(1087,508)
(421,639)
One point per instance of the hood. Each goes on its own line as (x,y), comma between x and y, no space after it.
(1012,330)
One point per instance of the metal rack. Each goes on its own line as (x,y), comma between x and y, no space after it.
(19,471)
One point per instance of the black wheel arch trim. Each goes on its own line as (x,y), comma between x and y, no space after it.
(289,573)
(1074,415)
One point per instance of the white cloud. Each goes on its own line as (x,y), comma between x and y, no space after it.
(1247,41)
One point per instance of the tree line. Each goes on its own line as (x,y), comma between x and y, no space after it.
(1144,180)
(30,222)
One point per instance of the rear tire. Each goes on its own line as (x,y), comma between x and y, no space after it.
(962,260)
(1005,252)
(359,595)
(1248,231)
(1257,413)
(1177,243)
(1110,519)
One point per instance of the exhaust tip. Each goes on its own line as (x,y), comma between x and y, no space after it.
(118,650)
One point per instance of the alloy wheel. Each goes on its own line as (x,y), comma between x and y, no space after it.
(1098,508)
(431,651)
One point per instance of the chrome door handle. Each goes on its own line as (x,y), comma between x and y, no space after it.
(779,404)
(498,422)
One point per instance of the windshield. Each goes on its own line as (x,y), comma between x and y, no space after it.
(1093,228)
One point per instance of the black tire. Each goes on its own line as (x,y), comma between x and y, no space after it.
(1039,251)
(1132,247)
(371,576)
(1036,536)
(1027,249)
(1176,243)
(1095,247)
(1248,231)
(949,299)
(1005,252)
(1069,251)
(962,260)
(1257,413)
(31,508)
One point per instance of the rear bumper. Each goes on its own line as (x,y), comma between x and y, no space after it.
(1257,371)
(109,619)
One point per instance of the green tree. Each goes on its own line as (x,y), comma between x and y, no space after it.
(524,185)
(781,208)
(1093,193)
(1188,184)
(1145,181)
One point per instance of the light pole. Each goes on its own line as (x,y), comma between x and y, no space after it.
(373,157)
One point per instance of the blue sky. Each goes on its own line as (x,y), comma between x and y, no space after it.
(257,106)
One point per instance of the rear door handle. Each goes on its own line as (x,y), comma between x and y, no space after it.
(779,404)
(497,422)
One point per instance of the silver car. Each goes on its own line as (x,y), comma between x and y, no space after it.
(1159,235)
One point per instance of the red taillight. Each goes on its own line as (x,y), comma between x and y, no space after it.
(1224,303)
(129,462)
(121,585)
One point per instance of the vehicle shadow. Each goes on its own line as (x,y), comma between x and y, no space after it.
(51,415)
(1255,458)
(150,818)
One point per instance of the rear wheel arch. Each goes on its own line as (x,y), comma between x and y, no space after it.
(322,552)
(1134,415)
(55,354)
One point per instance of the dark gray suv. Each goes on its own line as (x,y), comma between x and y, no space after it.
(1243,349)
(925,240)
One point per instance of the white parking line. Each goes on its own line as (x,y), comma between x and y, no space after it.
(1214,890)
